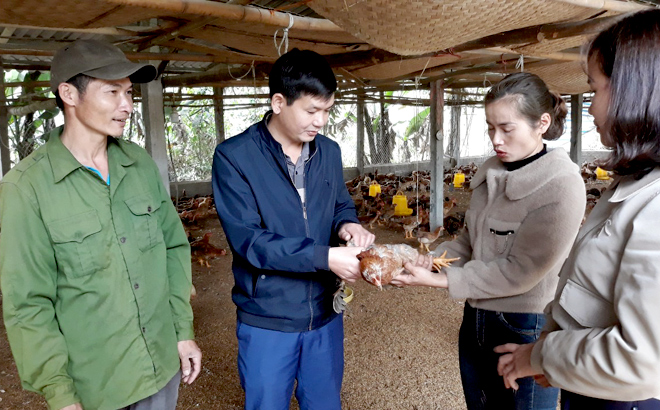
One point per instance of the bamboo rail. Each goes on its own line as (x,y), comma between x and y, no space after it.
(234,12)
(612,5)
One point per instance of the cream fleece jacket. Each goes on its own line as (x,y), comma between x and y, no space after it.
(520,226)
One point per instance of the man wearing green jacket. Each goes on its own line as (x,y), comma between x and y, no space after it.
(94,263)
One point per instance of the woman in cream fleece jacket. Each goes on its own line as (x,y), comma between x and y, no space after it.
(601,343)
(526,208)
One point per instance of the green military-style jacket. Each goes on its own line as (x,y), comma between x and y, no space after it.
(95,279)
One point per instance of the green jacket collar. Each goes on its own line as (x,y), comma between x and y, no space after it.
(63,162)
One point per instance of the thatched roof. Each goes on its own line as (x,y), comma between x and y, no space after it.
(381,44)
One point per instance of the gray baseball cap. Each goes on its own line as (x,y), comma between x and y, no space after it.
(96,59)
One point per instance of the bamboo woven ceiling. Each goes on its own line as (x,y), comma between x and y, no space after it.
(377,44)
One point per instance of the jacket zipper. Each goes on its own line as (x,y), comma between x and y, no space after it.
(304,209)
(304,205)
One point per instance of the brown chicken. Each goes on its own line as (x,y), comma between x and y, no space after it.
(408,228)
(427,238)
(202,250)
(448,205)
(201,208)
(379,264)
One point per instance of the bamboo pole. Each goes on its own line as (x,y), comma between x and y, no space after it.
(219,114)
(110,31)
(5,157)
(130,55)
(30,108)
(234,12)
(576,128)
(360,133)
(437,154)
(612,5)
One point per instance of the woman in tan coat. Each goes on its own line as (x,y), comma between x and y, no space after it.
(525,210)
(601,343)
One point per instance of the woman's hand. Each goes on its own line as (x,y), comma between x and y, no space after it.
(517,364)
(420,276)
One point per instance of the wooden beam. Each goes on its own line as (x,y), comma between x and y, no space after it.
(48,104)
(536,34)
(360,133)
(5,158)
(352,76)
(30,83)
(174,33)
(576,128)
(6,34)
(6,49)
(217,75)
(437,154)
(234,12)
(109,31)
(541,56)
(219,114)
(612,5)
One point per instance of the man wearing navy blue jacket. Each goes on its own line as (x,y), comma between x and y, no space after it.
(280,195)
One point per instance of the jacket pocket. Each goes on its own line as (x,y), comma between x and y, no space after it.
(587,308)
(501,235)
(80,249)
(145,220)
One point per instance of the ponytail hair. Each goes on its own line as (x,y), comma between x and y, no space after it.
(533,99)
(556,128)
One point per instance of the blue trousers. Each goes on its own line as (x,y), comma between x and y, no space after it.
(270,361)
(572,401)
(481,331)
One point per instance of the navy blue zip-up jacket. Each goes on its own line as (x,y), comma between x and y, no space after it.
(280,249)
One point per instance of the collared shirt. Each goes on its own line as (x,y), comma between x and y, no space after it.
(297,170)
(95,278)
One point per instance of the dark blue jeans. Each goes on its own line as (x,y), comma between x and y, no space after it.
(481,331)
(572,401)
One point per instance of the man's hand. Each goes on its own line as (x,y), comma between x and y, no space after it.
(344,263)
(76,406)
(355,232)
(420,276)
(516,364)
(191,360)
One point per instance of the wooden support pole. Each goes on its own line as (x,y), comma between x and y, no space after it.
(576,128)
(360,133)
(219,114)
(455,132)
(437,154)
(154,123)
(5,159)
(382,134)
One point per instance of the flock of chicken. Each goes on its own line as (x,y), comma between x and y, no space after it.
(377,209)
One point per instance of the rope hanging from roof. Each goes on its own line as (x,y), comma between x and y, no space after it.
(521,63)
(285,38)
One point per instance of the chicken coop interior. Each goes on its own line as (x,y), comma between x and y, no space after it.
(433,60)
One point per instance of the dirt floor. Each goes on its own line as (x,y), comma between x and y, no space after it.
(400,344)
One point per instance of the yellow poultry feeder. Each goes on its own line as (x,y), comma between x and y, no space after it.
(459,179)
(602,174)
(400,202)
(374,188)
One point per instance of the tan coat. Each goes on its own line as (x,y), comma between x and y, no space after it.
(519,229)
(607,306)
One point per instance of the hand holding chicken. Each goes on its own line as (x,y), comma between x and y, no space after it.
(384,264)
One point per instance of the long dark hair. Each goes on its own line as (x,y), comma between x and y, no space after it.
(628,53)
(533,99)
